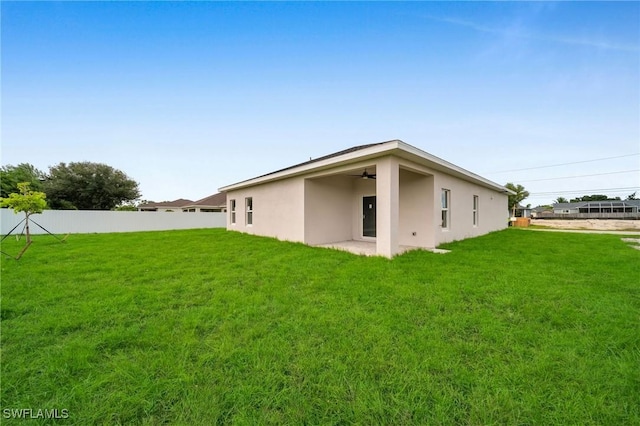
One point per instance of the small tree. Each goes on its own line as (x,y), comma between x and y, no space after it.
(561,200)
(518,197)
(26,201)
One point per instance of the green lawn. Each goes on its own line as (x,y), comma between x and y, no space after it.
(210,327)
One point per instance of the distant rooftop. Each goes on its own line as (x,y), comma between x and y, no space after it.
(175,203)
(215,200)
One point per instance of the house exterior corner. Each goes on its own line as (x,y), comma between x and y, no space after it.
(390,194)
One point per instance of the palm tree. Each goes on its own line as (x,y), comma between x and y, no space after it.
(518,197)
(561,200)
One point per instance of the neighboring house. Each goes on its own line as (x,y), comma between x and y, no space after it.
(164,206)
(389,193)
(613,209)
(540,211)
(213,203)
(522,211)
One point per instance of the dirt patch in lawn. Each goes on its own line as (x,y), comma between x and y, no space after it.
(594,224)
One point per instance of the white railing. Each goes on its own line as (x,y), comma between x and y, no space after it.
(93,221)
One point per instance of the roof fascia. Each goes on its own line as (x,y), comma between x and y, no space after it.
(395,147)
(351,157)
(436,163)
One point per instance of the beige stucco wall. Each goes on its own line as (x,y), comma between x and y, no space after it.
(328,208)
(416,214)
(278,210)
(492,212)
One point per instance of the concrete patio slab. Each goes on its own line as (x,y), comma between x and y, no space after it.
(367,248)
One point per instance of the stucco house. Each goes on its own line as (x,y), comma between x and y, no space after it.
(164,206)
(390,194)
(211,204)
(608,209)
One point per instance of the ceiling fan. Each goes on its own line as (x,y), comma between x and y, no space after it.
(365,175)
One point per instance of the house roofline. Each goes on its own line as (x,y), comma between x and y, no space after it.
(206,201)
(439,164)
(365,152)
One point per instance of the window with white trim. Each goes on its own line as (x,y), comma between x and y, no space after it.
(446,212)
(475,210)
(233,211)
(249,210)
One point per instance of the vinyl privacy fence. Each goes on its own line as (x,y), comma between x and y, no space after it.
(89,221)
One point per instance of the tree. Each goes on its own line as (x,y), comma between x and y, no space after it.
(132,206)
(594,197)
(127,208)
(561,200)
(88,186)
(518,197)
(10,176)
(26,201)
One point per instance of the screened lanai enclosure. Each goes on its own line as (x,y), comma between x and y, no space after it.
(612,209)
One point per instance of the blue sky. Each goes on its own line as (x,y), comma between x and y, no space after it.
(186,97)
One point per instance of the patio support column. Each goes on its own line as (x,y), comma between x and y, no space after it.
(388,202)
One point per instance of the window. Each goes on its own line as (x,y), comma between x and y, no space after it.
(475,210)
(446,200)
(233,211)
(249,205)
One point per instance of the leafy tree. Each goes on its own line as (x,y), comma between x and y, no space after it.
(561,200)
(89,186)
(26,201)
(127,208)
(520,195)
(10,176)
(132,206)
(595,197)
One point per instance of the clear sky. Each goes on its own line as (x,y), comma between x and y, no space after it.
(186,97)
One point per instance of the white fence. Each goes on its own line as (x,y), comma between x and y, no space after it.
(89,221)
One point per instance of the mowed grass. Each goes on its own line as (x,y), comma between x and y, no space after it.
(213,327)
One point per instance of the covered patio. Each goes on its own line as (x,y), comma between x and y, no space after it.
(382,207)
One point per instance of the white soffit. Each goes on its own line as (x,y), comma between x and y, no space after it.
(395,147)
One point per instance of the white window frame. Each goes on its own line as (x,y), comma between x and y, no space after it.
(233,211)
(248,203)
(476,208)
(446,209)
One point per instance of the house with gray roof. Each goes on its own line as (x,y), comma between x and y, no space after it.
(609,209)
(390,195)
(165,206)
(211,204)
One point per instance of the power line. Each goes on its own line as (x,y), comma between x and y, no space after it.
(584,191)
(563,164)
(573,177)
